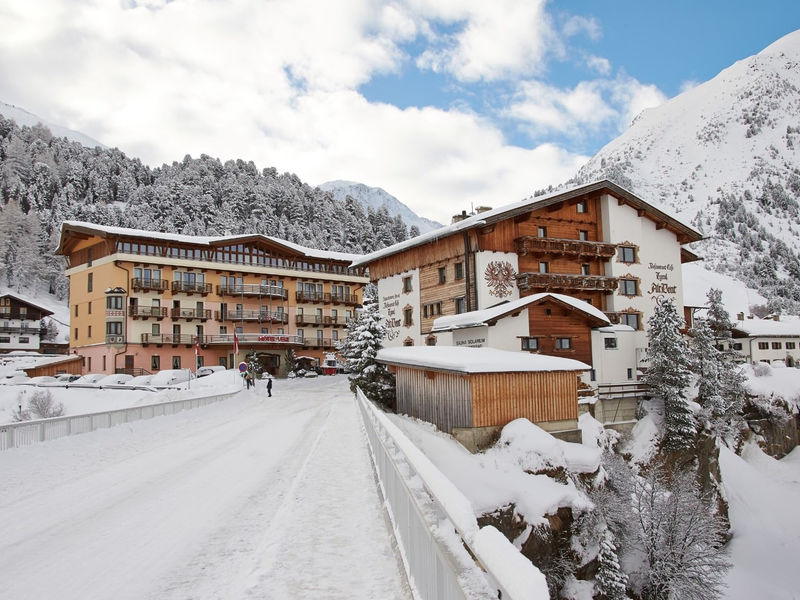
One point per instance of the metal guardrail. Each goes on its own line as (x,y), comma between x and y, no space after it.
(26,433)
(486,566)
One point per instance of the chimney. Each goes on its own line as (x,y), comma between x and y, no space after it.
(776,317)
(482,209)
(459,218)
(740,316)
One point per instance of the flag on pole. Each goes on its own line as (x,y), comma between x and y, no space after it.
(235,343)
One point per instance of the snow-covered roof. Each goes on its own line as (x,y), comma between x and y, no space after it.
(201,240)
(786,327)
(25,300)
(736,297)
(477,318)
(476,360)
(524,206)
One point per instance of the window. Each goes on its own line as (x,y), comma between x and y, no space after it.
(408,314)
(442,274)
(90,307)
(104,362)
(563,343)
(406,284)
(432,309)
(300,334)
(461,305)
(630,373)
(763,345)
(585,270)
(544,267)
(738,346)
(155,329)
(89,331)
(459,270)
(631,320)
(176,362)
(223,362)
(777,345)
(627,254)
(529,343)
(627,287)
(541,232)
(430,340)
(114,328)
(113,302)
(76,310)
(76,333)
(610,343)
(24,339)
(90,282)
(582,207)
(583,235)
(592,375)
(5,339)
(789,345)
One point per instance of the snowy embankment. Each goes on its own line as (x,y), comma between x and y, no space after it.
(251,497)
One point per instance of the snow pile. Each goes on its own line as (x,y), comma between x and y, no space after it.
(763,496)
(535,450)
(494,479)
(784,382)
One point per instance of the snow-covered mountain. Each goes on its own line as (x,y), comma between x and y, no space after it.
(725,157)
(376,197)
(23,117)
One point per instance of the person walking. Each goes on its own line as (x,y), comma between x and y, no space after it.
(248,379)
(269,387)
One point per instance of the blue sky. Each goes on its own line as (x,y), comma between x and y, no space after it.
(443,103)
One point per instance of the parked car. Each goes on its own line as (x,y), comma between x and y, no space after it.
(88,380)
(38,380)
(170,377)
(139,381)
(61,380)
(205,371)
(310,373)
(14,378)
(115,380)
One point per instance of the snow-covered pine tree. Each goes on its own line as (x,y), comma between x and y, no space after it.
(360,347)
(706,361)
(717,316)
(668,375)
(610,581)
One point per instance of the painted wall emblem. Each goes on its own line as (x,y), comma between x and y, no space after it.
(500,277)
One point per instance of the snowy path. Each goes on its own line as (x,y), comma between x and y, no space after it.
(251,498)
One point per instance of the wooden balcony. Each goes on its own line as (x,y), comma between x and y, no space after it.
(546,282)
(321,320)
(259,316)
(190,314)
(140,284)
(347,299)
(180,287)
(255,289)
(318,342)
(147,312)
(21,329)
(535,245)
(327,298)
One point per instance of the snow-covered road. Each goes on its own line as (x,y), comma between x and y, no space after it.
(249,498)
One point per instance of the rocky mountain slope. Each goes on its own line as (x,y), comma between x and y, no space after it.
(724,157)
(375,198)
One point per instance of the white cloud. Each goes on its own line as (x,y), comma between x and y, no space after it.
(599,64)
(275,83)
(589,26)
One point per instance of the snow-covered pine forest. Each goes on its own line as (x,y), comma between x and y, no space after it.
(45,180)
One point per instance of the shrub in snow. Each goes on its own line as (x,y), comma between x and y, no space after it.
(668,375)
(762,369)
(42,405)
(610,581)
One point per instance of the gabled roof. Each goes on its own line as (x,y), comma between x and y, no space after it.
(85,229)
(684,232)
(489,316)
(27,302)
(476,360)
(787,327)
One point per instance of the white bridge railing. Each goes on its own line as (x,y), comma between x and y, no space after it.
(447,556)
(26,433)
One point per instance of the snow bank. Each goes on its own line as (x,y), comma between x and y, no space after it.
(535,450)
(784,382)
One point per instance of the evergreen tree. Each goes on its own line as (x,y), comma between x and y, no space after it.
(668,375)
(718,319)
(706,359)
(360,347)
(610,581)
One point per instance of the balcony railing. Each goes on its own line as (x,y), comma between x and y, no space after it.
(190,313)
(253,289)
(321,320)
(168,338)
(536,245)
(191,288)
(326,297)
(318,342)
(20,329)
(559,281)
(251,338)
(23,316)
(140,284)
(261,316)
(146,312)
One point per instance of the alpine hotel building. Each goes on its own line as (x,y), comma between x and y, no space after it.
(143,301)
